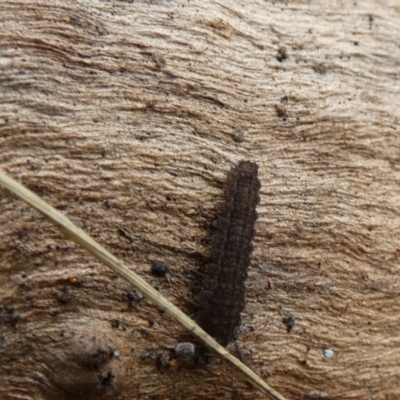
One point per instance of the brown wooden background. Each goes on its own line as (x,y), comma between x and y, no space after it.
(128,115)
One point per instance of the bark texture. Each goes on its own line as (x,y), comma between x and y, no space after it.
(127,116)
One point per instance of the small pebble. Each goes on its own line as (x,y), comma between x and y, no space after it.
(329,353)
(185,352)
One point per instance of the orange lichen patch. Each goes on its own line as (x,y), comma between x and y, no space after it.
(175,364)
(71,280)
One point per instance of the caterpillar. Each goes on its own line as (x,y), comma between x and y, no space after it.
(222,297)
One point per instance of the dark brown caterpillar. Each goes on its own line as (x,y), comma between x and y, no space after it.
(223,289)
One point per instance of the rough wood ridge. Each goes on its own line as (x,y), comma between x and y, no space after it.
(222,297)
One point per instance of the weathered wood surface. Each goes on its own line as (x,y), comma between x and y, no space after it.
(127,117)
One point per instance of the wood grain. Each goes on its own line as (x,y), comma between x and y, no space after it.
(128,115)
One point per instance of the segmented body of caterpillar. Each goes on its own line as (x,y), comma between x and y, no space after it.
(223,290)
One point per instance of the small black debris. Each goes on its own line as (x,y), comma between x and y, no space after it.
(144,332)
(282,53)
(15,320)
(289,322)
(125,235)
(64,296)
(115,323)
(101,355)
(159,269)
(134,298)
(107,380)
(161,362)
